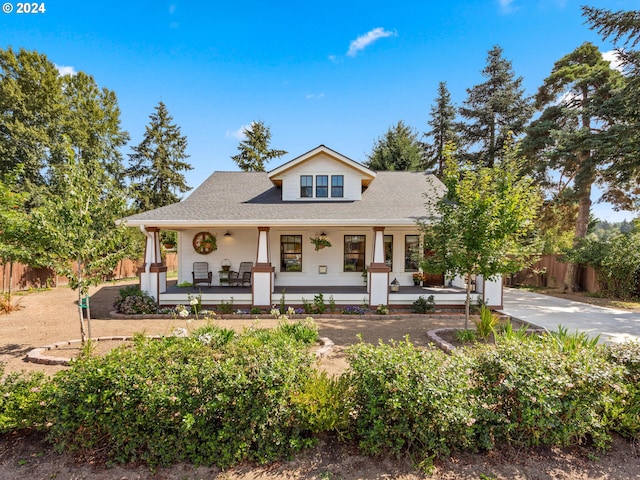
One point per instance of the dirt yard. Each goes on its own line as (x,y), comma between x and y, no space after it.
(51,316)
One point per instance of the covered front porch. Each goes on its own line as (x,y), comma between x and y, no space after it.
(297,295)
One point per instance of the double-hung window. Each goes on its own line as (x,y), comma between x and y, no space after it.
(411,253)
(290,253)
(322,186)
(354,246)
(337,186)
(306,186)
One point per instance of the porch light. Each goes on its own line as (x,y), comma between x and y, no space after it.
(227,235)
(395,285)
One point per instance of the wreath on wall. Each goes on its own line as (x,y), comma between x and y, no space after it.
(204,243)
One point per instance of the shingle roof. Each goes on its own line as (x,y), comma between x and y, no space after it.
(249,198)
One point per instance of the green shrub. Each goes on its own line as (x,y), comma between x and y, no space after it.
(627,355)
(466,336)
(325,404)
(22,397)
(409,399)
(533,392)
(226,307)
(318,304)
(136,304)
(424,305)
(213,336)
(176,399)
(305,331)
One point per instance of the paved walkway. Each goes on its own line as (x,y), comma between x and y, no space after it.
(548,312)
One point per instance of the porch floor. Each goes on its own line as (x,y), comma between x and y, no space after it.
(296,294)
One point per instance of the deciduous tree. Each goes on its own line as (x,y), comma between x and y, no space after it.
(79,228)
(485,223)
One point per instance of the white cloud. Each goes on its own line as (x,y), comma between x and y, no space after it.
(239,133)
(62,70)
(310,96)
(363,41)
(614,59)
(506,6)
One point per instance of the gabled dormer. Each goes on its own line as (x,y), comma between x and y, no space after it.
(322,175)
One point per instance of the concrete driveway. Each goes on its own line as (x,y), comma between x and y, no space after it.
(614,326)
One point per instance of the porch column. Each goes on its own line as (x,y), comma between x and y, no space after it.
(262,272)
(491,291)
(378,272)
(153,272)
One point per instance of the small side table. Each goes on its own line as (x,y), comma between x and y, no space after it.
(223,275)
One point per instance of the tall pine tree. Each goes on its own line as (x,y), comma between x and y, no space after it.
(494,111)
(443,129)
(624,135)
(157,163)
(254,149)
(570,137)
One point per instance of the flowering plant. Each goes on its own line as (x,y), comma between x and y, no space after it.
(418,277)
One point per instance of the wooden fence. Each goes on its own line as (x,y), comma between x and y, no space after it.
(24,277)
(549,271)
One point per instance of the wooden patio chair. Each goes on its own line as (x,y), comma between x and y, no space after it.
(201,273)
(241,278)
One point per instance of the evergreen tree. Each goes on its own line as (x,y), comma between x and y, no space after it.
(443,129)
(254,150)
(570,136)
(399,149)
(495,110)
(624,134)
(157,162)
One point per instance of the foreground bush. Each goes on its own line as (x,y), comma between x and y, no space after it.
(21,401)
(177,399)
(525,393)
(535,391)
(409,399)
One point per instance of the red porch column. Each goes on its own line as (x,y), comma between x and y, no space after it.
(378,272)
(262,272)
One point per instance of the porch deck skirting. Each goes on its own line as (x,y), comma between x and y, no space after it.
(296,295)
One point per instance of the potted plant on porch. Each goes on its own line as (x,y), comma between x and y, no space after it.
(320,241)
(418,278)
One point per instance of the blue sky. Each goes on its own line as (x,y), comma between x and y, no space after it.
(338,73)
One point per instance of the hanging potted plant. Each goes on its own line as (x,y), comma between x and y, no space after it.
(320,241)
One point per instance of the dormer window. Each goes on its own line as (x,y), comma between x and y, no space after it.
(306,186)
(337,186)
(322,186)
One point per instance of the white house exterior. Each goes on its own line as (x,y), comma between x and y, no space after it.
(268,218)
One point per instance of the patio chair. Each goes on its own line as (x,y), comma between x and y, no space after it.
(241,278)
(201,273)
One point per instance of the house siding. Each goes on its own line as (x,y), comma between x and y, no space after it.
(321,165)
(241,247)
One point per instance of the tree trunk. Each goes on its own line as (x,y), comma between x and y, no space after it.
(467,303)
(571,279)
(10,277)
(83,335)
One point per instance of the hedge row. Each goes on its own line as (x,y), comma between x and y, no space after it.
(217,398)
